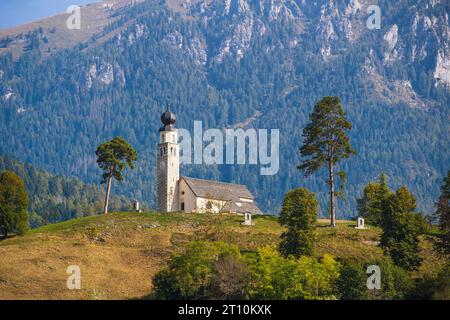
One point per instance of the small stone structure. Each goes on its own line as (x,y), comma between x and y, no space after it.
(248,219)
(136,206)
(360,223)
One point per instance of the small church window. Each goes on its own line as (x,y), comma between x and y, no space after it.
(182,206)
(182,192)
(161,151)
(171,150)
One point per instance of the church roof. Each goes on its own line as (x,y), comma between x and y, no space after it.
(224,191)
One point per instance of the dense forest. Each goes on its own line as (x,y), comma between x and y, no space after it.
(55,198)
(55,110)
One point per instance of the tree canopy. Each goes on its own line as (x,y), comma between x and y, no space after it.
(13,204)
(299,215)
(370,205)
(401,229)
(113,157)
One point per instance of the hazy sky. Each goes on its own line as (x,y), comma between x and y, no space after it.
(17,12)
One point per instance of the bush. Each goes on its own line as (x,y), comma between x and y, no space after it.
(352,283)
(190,275)
(437,287)
(276,277)
(230,278)
(396,283)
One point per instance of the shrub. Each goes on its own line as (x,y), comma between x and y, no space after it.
(276,277)
(352,282)
(230,278)
(190,275)
(396,283)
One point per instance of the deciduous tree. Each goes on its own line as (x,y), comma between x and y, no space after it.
(13,204)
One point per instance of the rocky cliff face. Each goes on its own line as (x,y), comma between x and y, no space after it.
(420,35)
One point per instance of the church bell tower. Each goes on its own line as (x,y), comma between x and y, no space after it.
(168,164)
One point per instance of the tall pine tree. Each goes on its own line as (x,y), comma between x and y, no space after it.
(326,143)
(113,157)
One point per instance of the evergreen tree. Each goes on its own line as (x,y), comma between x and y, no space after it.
(370,205)
(13,204)
(326,143)
(443,215)
(401,229)
(299,215)
(113,157)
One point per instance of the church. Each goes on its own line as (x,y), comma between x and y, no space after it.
(177,193)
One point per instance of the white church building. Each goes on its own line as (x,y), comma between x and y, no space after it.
(177,193)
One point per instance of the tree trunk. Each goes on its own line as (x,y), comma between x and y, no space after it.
(108,191)
(3,229)
(331,182)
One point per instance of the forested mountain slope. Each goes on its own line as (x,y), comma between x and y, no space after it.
(225,61)
(57,198)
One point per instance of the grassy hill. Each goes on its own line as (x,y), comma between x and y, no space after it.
(119,253)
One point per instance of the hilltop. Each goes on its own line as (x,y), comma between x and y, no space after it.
(119,253)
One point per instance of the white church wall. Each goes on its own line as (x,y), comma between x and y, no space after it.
(188,197)
(205,205)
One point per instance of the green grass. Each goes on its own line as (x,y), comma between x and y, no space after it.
(134,246)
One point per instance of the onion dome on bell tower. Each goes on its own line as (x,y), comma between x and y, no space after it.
(168,120)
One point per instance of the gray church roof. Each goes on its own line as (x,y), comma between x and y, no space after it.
(224,191)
